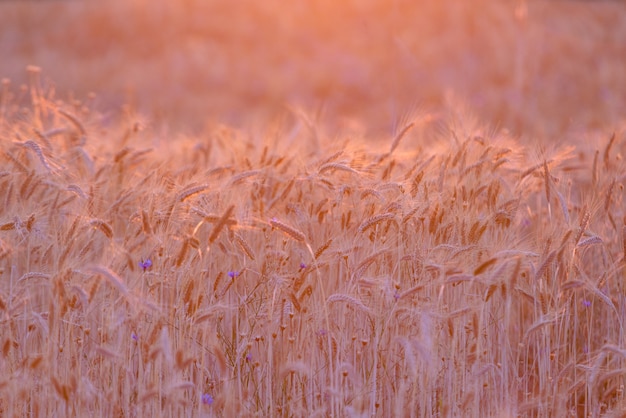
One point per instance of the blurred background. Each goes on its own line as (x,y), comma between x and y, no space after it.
(543,68)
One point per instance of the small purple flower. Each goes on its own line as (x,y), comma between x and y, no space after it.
(207,399)
(145,264)
(233,274)
(586,303)
(396,296)
(302,266)
(134,337)
(248,357)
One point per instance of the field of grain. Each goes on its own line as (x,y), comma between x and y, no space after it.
(365,209)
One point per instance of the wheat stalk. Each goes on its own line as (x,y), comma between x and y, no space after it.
(220,224)
(607,152)
(113,278)
(244,246)
(242,176)
(34,275)
(336,166)
(349,300)
(545,264)
(320,250)
(399,136)
(375,220)
(484,266)
(104,227)
(292,232)
(192,191)
(74,120)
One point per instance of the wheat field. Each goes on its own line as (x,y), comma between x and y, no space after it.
(296,265)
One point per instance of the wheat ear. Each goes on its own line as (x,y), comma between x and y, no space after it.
(292,232)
